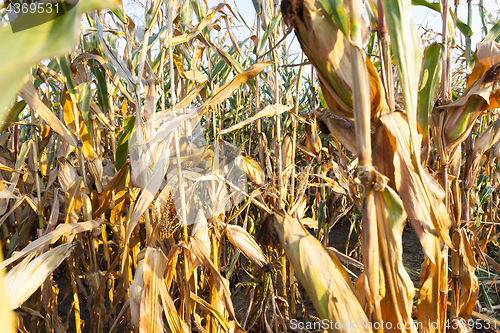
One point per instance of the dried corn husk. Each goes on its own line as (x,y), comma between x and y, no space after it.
(200,231)
(313,142)
(7,324)
(252,169)
(67,174)
(324,278)
(135,292)
(25,278)
(462,114)
(488,138)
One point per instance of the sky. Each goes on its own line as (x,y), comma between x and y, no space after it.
(423,17)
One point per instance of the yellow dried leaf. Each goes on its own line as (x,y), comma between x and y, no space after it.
(227,89)
(25,278)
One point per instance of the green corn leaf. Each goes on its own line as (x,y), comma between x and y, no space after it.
(407,49)
(337,12)
(122,148)
(429,84)
(12,115)
(493,34)
(55,37)
(482,15)
(68,77)
(270,28)
(25,148)
(152,13)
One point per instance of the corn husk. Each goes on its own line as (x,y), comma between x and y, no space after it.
(313,142)
(244,242)
(67,174)
(461,115)
(7,323)
(252,169)
(340,128)
(135,292)
(200,231)
(321,274)
(327,46)
(488,138)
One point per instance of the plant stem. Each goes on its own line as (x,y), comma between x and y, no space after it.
(37,169)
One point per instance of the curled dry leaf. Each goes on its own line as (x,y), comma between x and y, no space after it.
(5,193)
(227,89)
(68,230)
(268,111)
(30,96)
(421,194)
(196,75)
(468,295)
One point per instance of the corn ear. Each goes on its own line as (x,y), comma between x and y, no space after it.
(252,169)
(487,54)
(342,129)
(313,142)
(322,33)
(151,320)
(244,242)
(144,303)
(488,138)
(324,279)
(67,174)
